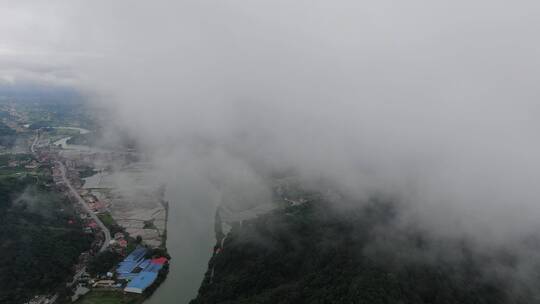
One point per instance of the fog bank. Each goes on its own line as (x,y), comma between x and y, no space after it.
(434,104)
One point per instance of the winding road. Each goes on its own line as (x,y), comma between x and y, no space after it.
(86,207)
(80,200)
(32,147)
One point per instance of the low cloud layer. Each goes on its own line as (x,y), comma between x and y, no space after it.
(435,104)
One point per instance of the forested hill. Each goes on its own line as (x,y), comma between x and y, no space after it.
(7,135)
(5,129)
(40,236)
(315,254)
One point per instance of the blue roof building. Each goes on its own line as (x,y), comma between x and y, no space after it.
(142,281)
(144,275)
(153,267)
(131,262)
(136,255)
(140,271)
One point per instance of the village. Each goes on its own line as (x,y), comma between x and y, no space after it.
(134,236)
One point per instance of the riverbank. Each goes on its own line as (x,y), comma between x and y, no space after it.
(127,200)
(190,239)
(125,287)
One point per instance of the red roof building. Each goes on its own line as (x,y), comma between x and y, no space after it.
(159,261)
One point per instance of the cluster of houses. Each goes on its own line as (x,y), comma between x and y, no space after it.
(119,243)
(57,176)
(138,271)
(134,274)
(95,204)
(28,164)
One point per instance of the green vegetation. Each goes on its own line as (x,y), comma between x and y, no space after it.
(54,114)
(313,253)
(63,132)
(132,244)
(103,262)
(38,232)
(7,135)
(6,158)
(110,297)
(41,237)
(40,125)
(6,130)
(88,139)
(109,221)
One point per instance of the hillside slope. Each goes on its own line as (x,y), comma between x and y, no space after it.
(315,254)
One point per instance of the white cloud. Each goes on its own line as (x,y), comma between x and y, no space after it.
(434,102)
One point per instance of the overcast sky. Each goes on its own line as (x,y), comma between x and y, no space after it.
(435,102)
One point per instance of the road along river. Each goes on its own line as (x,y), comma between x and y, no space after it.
(81,201)
(63,142)
(190,235)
